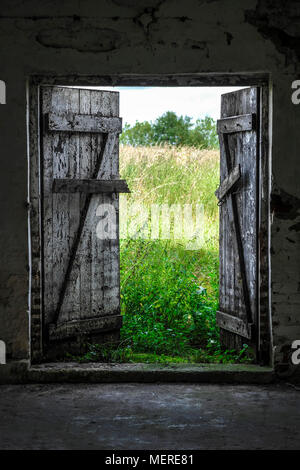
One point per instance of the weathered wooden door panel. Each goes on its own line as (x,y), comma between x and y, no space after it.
(80,268)
(238,200)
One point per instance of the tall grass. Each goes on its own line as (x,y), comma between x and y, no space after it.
(172,175)
(169,294)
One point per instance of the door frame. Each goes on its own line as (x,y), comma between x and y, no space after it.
(264,352)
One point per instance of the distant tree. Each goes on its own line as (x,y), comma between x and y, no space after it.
(204,134)
(173,130)
(139,134)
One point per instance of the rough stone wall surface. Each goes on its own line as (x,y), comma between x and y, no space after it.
(149,37)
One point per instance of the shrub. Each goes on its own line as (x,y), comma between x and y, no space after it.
(165,310)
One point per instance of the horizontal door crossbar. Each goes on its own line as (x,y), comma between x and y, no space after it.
(85,326)
(232,124)
(68,185)
(234,324)
(71,122)
(228,182)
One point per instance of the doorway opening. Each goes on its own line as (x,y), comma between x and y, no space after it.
(168,228)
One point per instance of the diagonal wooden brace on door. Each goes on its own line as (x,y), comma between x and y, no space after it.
(228,184)
(225,127)
(110,127)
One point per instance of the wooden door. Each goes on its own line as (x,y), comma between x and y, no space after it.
(238,201)
(80,186)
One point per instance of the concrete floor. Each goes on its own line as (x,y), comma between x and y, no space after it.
(149,416)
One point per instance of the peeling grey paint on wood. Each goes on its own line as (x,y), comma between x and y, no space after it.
(89,288)
(75,122)
(228,183)
(233,324)
(238,216)
(68,185)
(229,125)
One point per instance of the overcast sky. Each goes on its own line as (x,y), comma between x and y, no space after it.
(148,103)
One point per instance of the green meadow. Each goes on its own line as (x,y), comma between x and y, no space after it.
(169,284)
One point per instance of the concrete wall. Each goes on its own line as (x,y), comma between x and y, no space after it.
(149,37)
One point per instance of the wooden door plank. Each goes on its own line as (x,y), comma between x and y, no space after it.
(234,324)
(229,182)
(86,148)
(71,329)
(68,185)
(233,124)
(106,270)
(74,122)
(47,239)
(71,304)
(65,206)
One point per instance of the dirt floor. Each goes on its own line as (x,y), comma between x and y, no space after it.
(149,416)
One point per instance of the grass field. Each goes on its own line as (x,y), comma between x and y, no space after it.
(169,292)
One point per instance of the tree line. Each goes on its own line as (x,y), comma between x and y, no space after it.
(172,130)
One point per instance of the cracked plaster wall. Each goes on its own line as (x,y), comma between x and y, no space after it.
(149,37)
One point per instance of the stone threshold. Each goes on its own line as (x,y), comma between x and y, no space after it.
(72,372)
